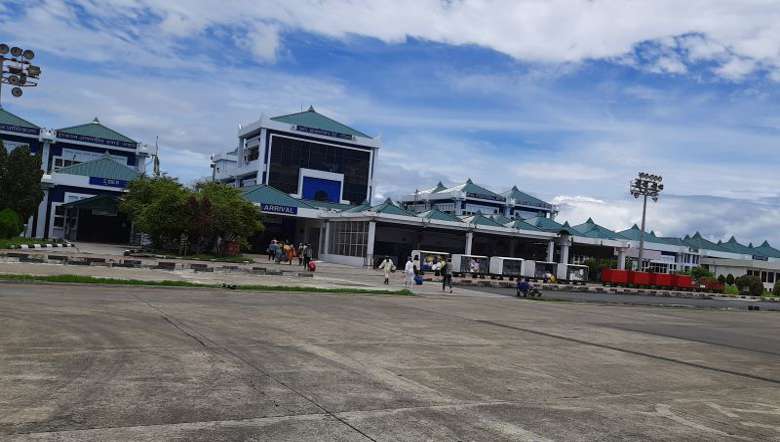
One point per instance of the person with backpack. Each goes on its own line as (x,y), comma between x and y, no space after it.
(388,267)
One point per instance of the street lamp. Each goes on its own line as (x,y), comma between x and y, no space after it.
(16,69)
(646,185)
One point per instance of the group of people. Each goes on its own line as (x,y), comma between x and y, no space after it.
(284,251)
(412,269)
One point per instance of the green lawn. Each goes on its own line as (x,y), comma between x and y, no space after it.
(79,279)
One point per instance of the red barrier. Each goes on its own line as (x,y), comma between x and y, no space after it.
(614,277)
(684,282)
(661,280)
(639,279)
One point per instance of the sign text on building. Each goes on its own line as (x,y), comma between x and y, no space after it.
(95,140)
(19,129)
(108,182)
(327,133)
(275,208)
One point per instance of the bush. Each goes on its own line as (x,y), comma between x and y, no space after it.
(776,289)
(730,279)
(731,290)
(721,279)
(700,273)
(751,285)
(10,224)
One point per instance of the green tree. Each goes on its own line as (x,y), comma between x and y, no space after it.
(235,218)
(699,273)
(10,224)
(751,285)
(20,181)
(730,279)
(776,289)
(157,207)
(722,279)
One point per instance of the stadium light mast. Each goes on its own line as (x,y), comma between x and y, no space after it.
(645,185)
(16,69)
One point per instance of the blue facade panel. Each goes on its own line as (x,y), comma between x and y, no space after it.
(320,189)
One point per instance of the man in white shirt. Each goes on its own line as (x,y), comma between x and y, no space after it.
(409,273)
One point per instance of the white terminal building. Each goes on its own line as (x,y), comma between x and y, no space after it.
(313,179)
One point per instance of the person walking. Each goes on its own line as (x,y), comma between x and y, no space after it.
(290,249)
(446,274)
(301,248)
(409,272)
(307,254)
(272,250)
(388,267)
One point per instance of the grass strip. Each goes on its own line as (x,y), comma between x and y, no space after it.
(81,279)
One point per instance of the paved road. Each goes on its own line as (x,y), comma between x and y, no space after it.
(602,298)
(97,363)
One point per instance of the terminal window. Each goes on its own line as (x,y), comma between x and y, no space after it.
(288,156)
(349,238)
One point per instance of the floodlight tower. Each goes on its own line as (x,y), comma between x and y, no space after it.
(16,69)
(645,185)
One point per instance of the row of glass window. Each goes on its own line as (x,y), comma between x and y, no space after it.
(349,238)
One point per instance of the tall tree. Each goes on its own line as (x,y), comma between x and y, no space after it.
(20,180)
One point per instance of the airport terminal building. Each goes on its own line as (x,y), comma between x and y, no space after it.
(86,169)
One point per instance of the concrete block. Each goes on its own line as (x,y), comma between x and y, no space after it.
(305,275)
(17,255)
(57,258)
(166,265)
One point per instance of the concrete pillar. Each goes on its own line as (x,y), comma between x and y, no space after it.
(565,252)
(621,259)
(370,243)
(45,156)
(550,251)
(39,227)
(469,240)
(563,269)
(326,240)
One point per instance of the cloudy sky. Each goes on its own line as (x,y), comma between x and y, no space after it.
(566,99)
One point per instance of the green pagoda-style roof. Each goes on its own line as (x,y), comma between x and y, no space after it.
(390,208)
(546,224)
(262,194)
(328,205)
(357,209)
(521,225)
(13,123)
(95,132)
(633,234)
(98,202)
(315,120)
(699,242)
(478,191)
(524,199)
(735,247)
(481,220)
(103,167)
(501,219)
(766,250)
(439,215)
(591,229)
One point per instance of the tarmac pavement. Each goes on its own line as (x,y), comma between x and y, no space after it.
(130,363)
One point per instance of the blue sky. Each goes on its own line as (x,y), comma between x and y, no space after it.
(568,100)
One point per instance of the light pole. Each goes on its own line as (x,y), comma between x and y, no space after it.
(645,185)
(16,69)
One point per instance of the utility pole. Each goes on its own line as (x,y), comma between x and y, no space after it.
(645,185)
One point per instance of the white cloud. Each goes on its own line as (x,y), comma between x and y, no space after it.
(558,31)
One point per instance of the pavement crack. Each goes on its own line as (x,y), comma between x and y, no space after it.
(633,352)
(177,327)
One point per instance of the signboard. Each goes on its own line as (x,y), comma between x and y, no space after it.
(95,140)
(18,129)
(275,208)
(327,133)
(760,258)
(108,182)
